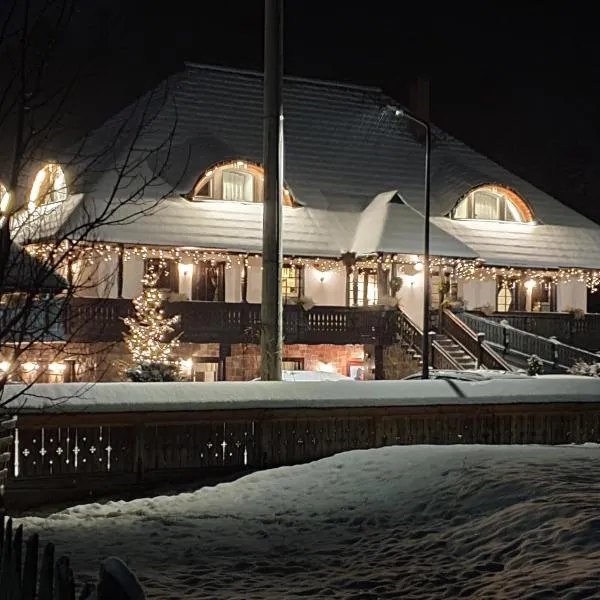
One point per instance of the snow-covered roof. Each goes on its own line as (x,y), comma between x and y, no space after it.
(525,245)
(388,224)
(344,147)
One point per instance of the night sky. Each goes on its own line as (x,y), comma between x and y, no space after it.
(522,87)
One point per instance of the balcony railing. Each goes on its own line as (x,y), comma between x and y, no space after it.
(582,331)
(90,319)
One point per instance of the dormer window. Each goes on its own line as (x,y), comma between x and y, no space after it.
(238,185)
(48,188)
(238,181)
(493,203)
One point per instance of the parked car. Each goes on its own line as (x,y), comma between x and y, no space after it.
(311,376)
(470,374)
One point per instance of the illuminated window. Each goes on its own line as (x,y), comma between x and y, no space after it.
(362,287)
(492,203)
(543,296)
(238,181)
(49,187)
(291,282)
(168,274)
(238,185)
(511,295)
(4,199)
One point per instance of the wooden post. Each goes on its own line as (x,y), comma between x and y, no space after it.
(271,338)
(379,368)
(480,340)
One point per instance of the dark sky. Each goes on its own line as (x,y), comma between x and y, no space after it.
(520,85)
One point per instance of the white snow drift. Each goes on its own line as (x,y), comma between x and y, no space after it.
(414,522)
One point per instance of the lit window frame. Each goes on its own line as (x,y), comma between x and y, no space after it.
(211,183)
(294,275)
(48,188)
(507,202)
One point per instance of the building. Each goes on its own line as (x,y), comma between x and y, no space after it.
(187,160)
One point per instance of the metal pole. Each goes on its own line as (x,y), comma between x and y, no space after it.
(271,338)
(426,274)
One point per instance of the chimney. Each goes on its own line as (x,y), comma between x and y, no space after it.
(419,104)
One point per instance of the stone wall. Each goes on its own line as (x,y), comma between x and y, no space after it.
(398,363)
(244,362)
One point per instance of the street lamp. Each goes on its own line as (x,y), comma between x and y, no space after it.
(426,283)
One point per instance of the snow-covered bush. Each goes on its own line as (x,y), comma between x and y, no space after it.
(149,370)
(583,368)
(535,365)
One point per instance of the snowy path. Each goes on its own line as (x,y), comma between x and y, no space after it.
(401,523)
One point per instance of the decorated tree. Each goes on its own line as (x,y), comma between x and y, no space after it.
(148,338)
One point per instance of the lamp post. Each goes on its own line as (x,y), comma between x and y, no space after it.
(426,283)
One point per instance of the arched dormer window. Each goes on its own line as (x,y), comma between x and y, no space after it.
(4,200)
(237,181)
(493,203)
(49,187)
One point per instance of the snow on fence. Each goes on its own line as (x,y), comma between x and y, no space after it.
(118,439)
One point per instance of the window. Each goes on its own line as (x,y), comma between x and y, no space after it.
(168,276)
(238,181)
(511,295)
(4,199)
(492,203)
(208,282)
(543,296)
(238,185)
(362,287)
(291,282)
(49,187)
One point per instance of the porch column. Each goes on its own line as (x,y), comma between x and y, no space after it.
(382,282)
(379,370)
(349,260)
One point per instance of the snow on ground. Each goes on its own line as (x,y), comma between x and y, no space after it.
(409,522)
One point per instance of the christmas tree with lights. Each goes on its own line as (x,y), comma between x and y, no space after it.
(147,340)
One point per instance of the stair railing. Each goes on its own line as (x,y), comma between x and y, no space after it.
(474,343)
(412,337)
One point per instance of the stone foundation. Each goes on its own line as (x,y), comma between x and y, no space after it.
(209,362)
(398,363)
(244,362)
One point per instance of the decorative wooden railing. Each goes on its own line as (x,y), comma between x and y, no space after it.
(80,456)
(578,330)
(522,343)
(202,322)
(411,336)
(472,342)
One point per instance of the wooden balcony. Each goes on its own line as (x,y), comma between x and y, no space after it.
(91,319)
(581,331)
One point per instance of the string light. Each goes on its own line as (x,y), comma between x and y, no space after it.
(149,329)
(462,268)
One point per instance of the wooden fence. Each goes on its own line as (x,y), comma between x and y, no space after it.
(21,579)
(77,456)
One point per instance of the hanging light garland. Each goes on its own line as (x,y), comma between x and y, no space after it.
(463,269)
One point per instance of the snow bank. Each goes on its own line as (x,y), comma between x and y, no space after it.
(126,397)
(404,522)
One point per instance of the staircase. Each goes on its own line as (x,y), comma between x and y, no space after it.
(516,345)
(455,346)
(453,349)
